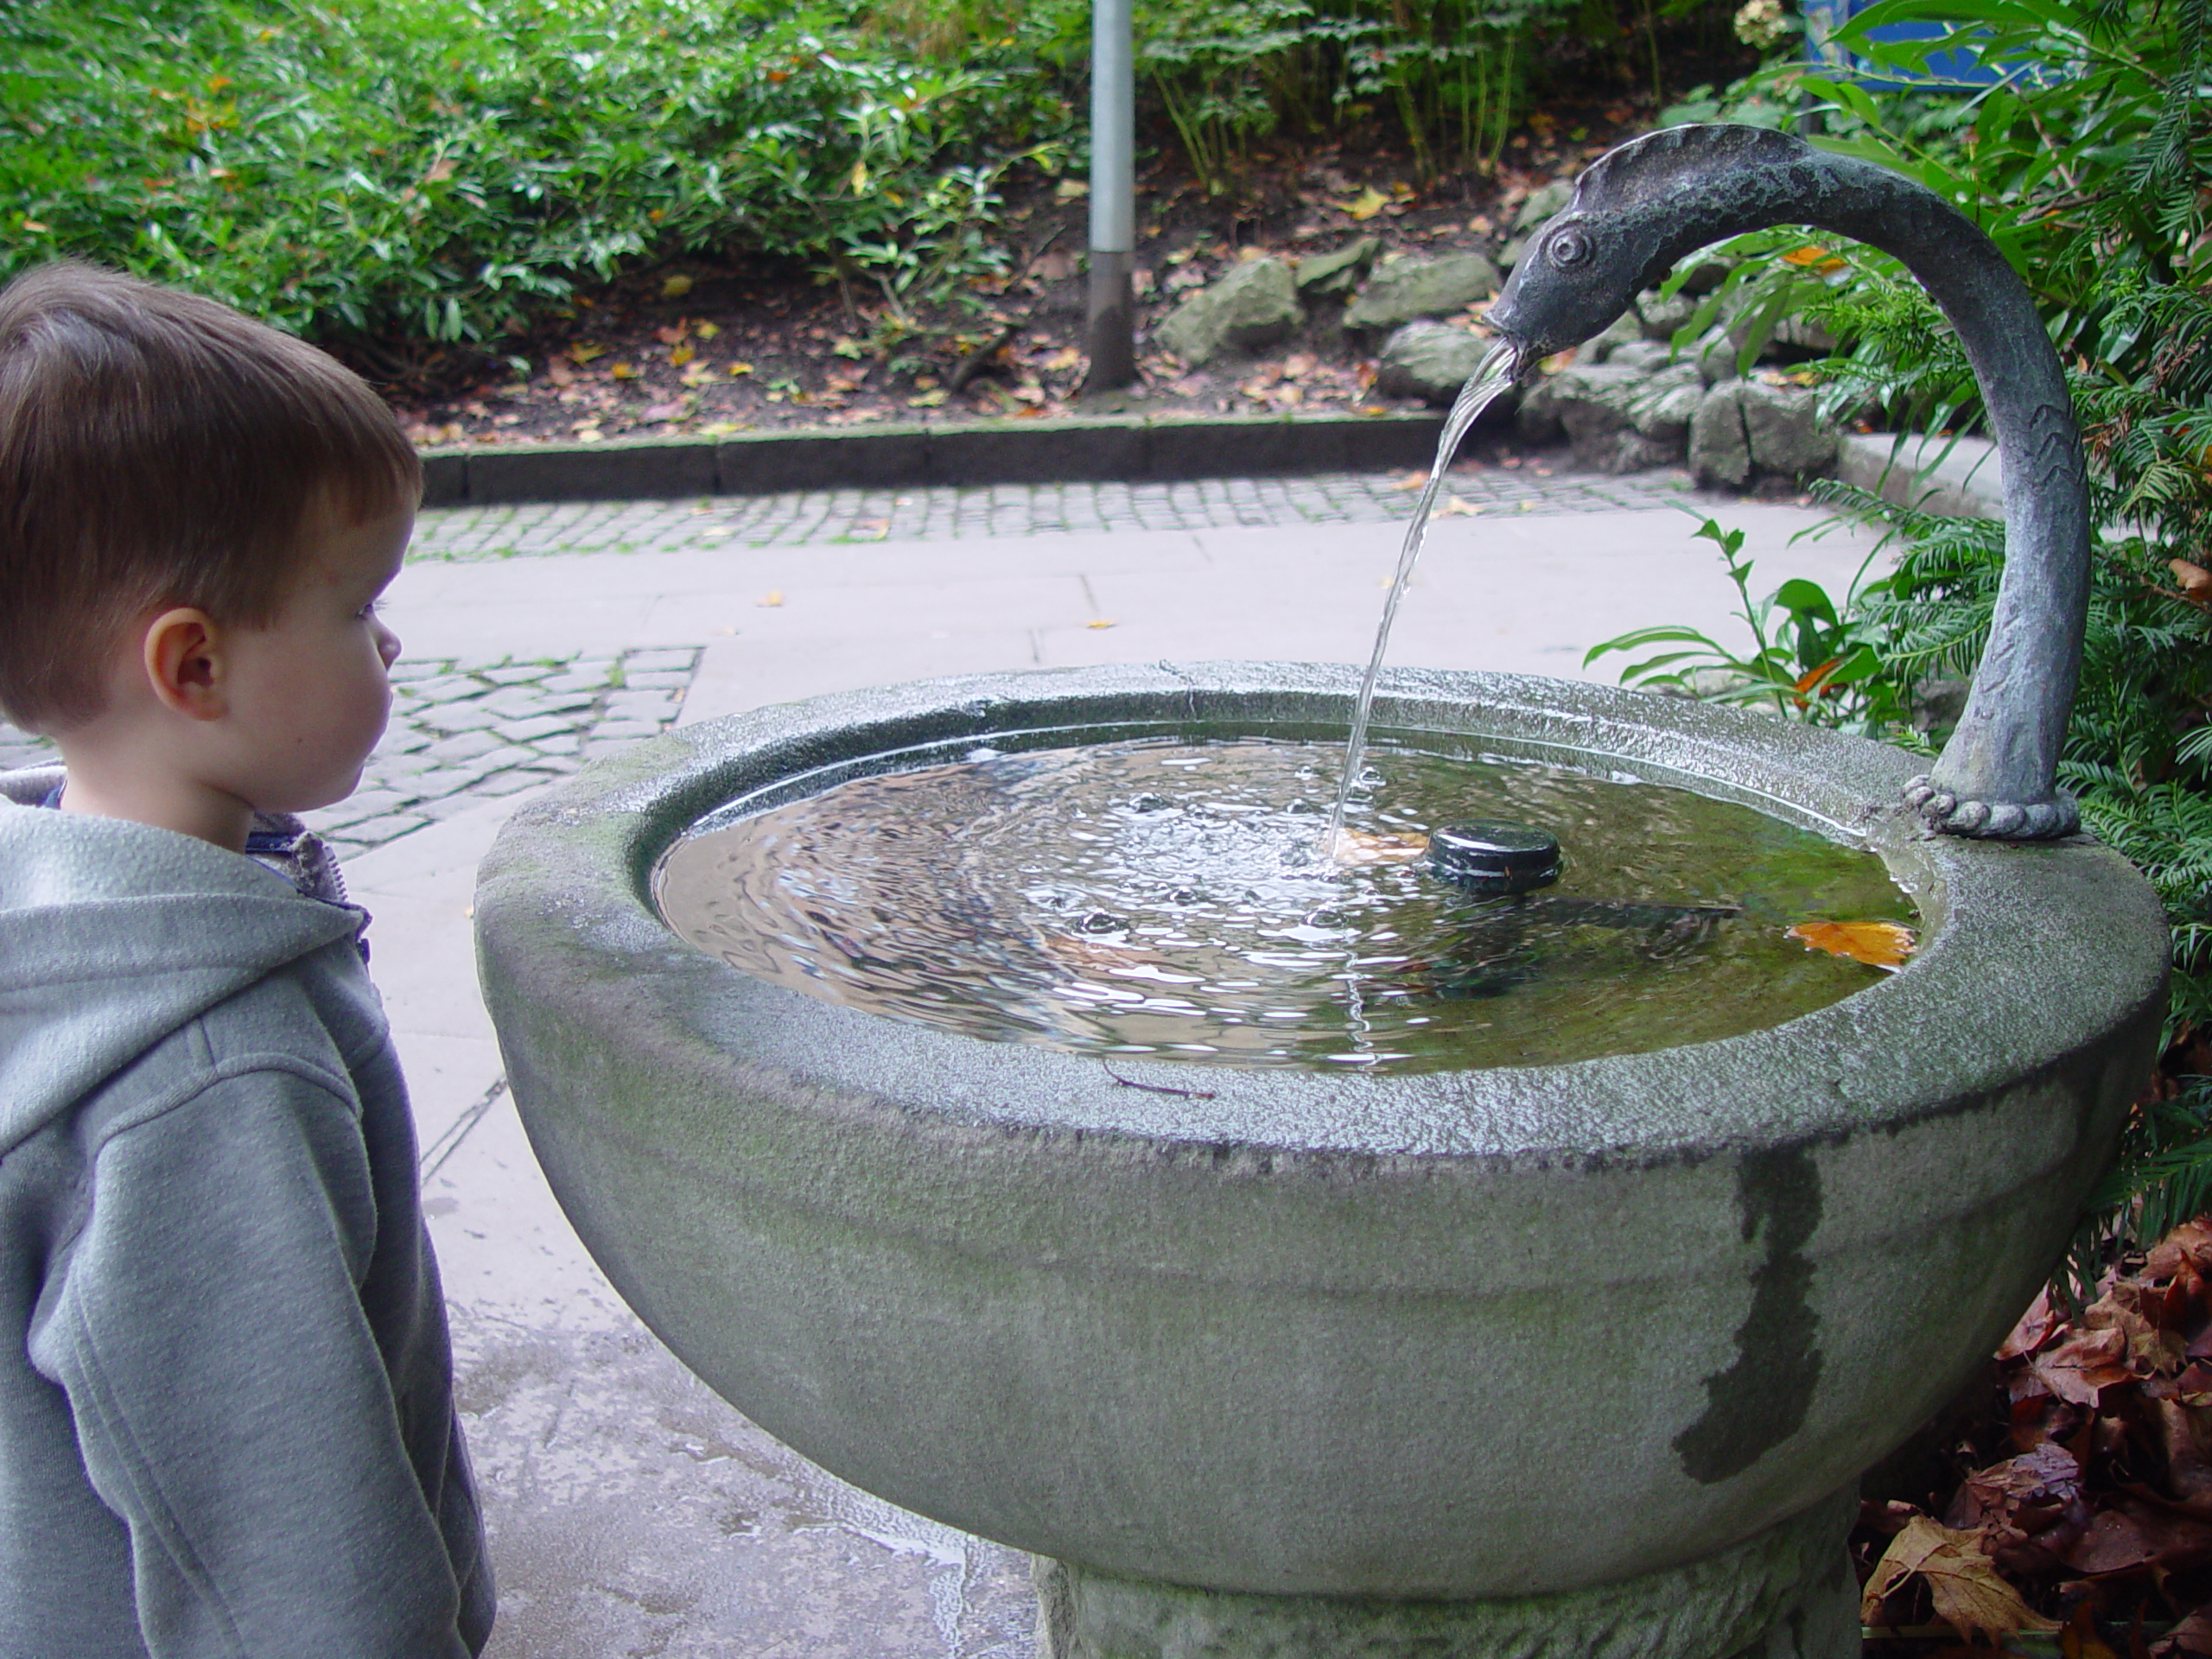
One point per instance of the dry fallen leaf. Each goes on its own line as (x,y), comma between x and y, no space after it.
(1962,1582)
(1814,259)
(2192,1635)
(772,598)
(736,369)
(1455,508)
(623,370)
(1879,945)
(1368,203)
(1411,481)
(1101,622)
(2081,1367)
(681,354)
(675,287)
(1362,847)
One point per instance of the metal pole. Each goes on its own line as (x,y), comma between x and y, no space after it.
(1113,196)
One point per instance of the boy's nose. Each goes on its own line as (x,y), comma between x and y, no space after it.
(387,645)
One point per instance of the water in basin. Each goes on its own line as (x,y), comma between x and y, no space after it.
(1164,898)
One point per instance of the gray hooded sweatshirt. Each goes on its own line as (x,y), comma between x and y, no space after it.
(226,1422)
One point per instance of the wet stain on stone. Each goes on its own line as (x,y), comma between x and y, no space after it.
(1760,1400)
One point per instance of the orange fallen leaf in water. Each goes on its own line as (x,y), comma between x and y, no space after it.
(1879,945)
(772,598)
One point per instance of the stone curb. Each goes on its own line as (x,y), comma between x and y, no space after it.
(1139,449)
(1954,478)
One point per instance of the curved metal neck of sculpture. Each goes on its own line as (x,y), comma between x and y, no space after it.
(1641,208)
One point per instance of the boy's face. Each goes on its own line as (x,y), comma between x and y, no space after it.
(310,692)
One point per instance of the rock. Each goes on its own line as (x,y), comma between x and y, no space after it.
(1541,206)
(1743,429)
(1399,290)
(1705,276)
(1787,432)
(1624,329)
(1662,318)
(1939,704)
(1644,354)
(1663,409)
(1428,360)
(1802,335)
(1338,272)
(1250,307)
(1536,422)
(1720,448)
(1715,355)
(1622,419)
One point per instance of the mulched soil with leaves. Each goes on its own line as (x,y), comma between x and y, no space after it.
(2063,1506)
(700,349)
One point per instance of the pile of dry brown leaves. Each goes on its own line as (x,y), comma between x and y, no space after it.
(2080,1524)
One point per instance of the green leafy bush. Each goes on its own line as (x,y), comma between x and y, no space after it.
(388,170)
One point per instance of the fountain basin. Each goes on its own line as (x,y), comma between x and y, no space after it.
(1436,1337)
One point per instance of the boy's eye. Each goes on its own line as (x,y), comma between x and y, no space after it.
(371,609)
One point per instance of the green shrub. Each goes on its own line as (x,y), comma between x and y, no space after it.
(395,171)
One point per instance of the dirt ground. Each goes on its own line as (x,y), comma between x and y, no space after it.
(694,348)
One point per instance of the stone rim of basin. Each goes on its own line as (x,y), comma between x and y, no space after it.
(1432,1336)
(1989,918)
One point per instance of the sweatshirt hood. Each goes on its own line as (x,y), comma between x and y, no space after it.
(114,934)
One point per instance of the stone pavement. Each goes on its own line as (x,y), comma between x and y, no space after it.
(631,1511)
(949,513)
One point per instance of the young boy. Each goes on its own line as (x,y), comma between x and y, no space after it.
(226,1420)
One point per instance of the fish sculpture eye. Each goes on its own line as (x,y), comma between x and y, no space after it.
(1568,246)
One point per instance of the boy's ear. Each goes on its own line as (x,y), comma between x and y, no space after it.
(183,656)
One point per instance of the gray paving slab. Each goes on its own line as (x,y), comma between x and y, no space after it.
(631,1511)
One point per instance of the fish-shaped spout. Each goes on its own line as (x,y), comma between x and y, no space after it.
(1642,206)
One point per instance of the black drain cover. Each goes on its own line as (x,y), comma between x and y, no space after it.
(1494,859)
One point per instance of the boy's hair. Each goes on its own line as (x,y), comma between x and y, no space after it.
(159,450)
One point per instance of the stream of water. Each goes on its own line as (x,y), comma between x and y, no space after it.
(1492,377)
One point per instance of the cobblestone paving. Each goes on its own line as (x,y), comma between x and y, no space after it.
(464,732)
(467,732)
(951,514)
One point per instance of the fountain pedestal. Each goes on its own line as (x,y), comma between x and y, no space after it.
(1788,1594)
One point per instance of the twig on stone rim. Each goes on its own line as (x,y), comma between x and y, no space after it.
(1155,1088)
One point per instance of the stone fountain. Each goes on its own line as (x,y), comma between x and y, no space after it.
(1576,1360)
